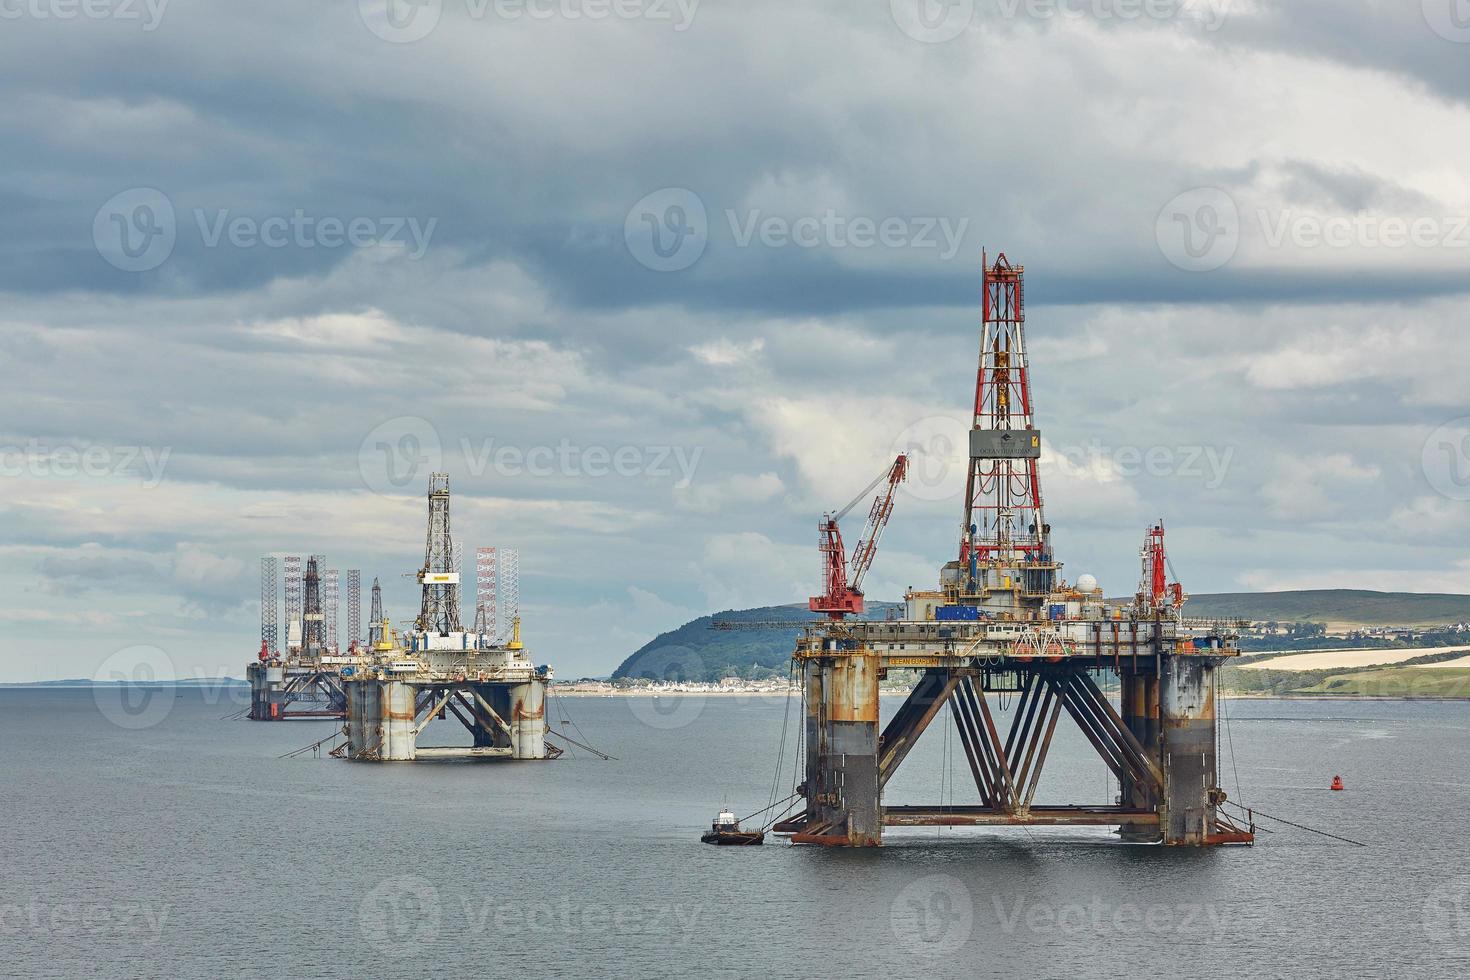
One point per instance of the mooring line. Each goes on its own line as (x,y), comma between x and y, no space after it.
(1253,812)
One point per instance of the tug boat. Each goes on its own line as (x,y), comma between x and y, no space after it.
(726,830)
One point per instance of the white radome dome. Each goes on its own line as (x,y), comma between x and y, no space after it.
(1087,583)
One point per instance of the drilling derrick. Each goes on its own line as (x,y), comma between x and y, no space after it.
(1003,622)
(1005,560)
(375,616)
(354,608)
(313,628)
(439,611)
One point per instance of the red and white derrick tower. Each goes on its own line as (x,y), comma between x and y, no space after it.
(1004,526)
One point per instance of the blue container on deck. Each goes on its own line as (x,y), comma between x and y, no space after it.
(1057,610)
(954,614)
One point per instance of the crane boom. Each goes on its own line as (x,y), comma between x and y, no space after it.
(843,588)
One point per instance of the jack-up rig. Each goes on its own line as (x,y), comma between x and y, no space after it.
(302,680)
(438,668)
(1004,621)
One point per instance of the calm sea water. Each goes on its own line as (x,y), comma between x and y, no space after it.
(188,848)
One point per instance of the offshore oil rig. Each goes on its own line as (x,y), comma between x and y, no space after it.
(1004,621)
(400,683)
(302,680)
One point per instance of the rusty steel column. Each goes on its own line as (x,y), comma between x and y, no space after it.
(1187,705)
(1139,694)
(843,781)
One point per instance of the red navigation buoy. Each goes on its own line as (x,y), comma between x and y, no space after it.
(1337,782)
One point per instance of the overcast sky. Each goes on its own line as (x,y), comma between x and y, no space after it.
(656,282)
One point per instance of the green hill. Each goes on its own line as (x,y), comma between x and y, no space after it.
(696,651)
(1336,606)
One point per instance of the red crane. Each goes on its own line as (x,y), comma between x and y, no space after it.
(844,592)
(1155,592)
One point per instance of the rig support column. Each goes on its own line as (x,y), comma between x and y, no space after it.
(400,711)
(528,720)
(1187,713)
(843,784)
(1140,712)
